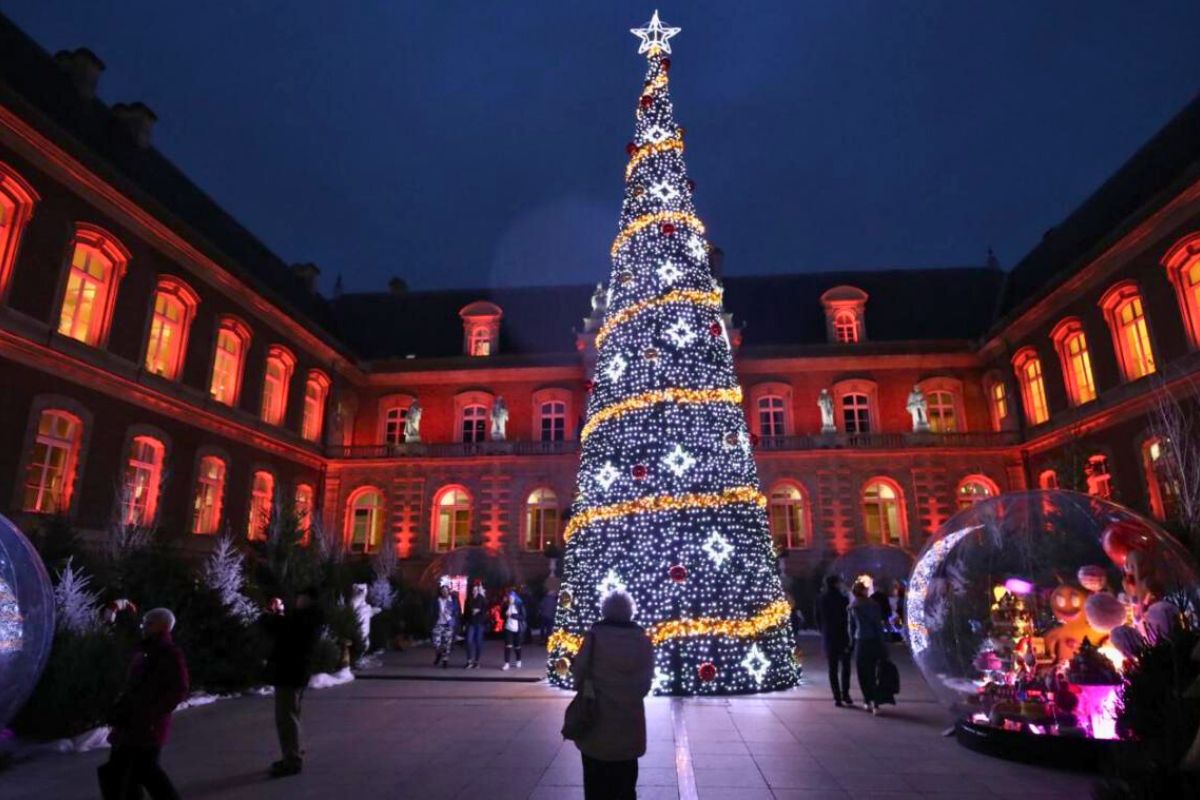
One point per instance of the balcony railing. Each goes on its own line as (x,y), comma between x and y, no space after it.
(823,441)
(453,449)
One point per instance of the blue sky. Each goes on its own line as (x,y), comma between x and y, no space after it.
(475,144)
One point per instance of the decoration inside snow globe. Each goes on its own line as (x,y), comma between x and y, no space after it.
(26,619)
(1025,609)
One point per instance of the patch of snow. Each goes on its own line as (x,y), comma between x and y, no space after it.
(324,680)
(95,739)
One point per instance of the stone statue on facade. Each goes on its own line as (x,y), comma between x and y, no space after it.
(825,403)
(412,423)
(499,419)
(918,407)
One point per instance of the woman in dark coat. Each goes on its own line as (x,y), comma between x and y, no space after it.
(866,629)
(835,636)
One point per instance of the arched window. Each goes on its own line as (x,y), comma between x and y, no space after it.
(1097,476)
(98,263)
(856,413)
(1126,318)
(365,523)
(845,326)
(771,420)
(788,514)
(942,416)
(17,199)
(170,320)
(883,512)
(303,508)
(997,395)
(393,424)
(1028,368)
(553,417)
(1071,344)
(974,488)
(1047,479)
(452,519)
(262,498)
(143,478)
(276,377)
(1183,268)
(1162,487)
(481,342)
(474,423)
(316,389)
(229,358)
(541,519)
(51,475)
(210,494)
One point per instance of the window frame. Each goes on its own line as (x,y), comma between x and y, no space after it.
(1030,398)
(1179,260)
(117,256)
(901,537)
(67,472)
(376,519)
(1066,332)
(261,505)
(175,289)
(23,199)
(239,330)
(1134,365)
(218,495)
(962,501)
(856,386)
(399,403)
(130,514)
(1099,484)
(1047,479)
(304,510)
(797,511)
(435,528)
(540,510)
(314,416)
(996,415)
(271,409)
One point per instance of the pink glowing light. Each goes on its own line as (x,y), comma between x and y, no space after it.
(1097,710)
(1018,586)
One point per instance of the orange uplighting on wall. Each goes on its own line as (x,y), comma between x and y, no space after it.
(171,318)
(277,377)
(1183,269)
(98,262)
(316,390)
(229,360)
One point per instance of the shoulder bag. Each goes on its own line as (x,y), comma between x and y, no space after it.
(580,715)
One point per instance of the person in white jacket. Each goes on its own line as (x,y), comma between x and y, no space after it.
(618,659)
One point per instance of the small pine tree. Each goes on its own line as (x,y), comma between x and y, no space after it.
(224,574)
(381,593)
(74,602)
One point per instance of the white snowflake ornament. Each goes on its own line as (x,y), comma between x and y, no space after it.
(607,475)
(697,248)
(668,273)
(610,583)
(616,367)
(756,663)
(680,333)
(718,548)
(656,134)
(664,191)
(678,461)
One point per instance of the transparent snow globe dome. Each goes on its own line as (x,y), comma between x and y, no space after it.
(1003,597)
(883,564)
(26,619)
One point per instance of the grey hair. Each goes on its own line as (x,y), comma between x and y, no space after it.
(617,606)
(163,615)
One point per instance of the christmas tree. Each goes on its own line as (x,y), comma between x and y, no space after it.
(668,506)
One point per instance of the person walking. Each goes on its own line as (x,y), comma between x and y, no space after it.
(477,619)
(295,633)
(141,718)
(514,628)
(446,615)
(835,638)
(866,631)
(617,659)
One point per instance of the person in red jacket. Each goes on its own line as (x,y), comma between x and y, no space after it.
(141,718)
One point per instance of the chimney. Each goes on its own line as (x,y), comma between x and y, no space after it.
(308,274)
(83,67)
(138,119)
(398,286)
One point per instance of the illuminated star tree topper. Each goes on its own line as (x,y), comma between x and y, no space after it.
(654,36)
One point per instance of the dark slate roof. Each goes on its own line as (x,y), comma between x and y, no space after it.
(1143,184)
(777,310)
(30,77)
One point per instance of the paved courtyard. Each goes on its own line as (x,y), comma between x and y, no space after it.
(408,731)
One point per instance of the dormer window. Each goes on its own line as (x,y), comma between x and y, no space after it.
(481,328)
(845,314)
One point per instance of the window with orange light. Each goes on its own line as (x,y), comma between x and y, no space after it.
(210,494)
(998,396)
(303,508)
(97,263)
(883,513)
(1183,269)
(393,424)
(316,388)
(17,199)
(788,517)
(1097,477)
(262,500)
(452,520)
(481,341)
(143,477)
(1126,319)
(771,421)
(1028,368)
(1161,484)
(940,406)
(170,321)
(1048,479)
(229,358)
(51,474)
(856,413)
(276,377)
(365,512)
(973,489)
(541,519)
(1071,344)
(845,327)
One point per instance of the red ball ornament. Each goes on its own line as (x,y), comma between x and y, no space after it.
(1125,536)
(678,573)
(631,148)
(707,672)
(647,101)
(667,228)
(589,385)
(639,472)
(714,330)
(666,65)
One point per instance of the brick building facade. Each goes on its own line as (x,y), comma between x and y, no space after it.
(162,367)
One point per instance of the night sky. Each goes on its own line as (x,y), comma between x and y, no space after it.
(474,144)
